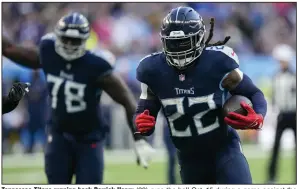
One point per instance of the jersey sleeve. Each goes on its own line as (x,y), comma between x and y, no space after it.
(104,64)
(227,58)
(143,71)
(227,61)
(147,100)
(231,62)
(47,39)
(46,42)
(231,59)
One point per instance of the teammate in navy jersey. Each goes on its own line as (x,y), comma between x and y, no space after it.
(190,80)
(75,79)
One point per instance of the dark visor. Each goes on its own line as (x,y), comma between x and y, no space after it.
(178,45)
(71,41)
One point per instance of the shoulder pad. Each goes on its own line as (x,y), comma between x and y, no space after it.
(145,70)
(49,36)
(150,55)
(46,43)
(105,55)
(226,50)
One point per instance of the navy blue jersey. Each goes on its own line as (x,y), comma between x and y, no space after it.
(192,100)
(72,87)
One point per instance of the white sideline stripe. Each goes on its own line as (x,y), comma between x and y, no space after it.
(111,157)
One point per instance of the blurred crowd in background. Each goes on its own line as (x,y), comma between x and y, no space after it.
(130,31)
(124,28)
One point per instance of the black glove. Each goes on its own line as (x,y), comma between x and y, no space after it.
(17,91)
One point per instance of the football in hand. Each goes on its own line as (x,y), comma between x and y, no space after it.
(233,105)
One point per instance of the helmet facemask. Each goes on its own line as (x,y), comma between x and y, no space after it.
(182,50)
(70,48)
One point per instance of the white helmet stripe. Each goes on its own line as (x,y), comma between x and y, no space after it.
(177,13)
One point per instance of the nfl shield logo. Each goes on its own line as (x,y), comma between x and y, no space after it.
(182,77)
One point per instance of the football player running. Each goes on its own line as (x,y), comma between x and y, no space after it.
(190,80)
(75,79)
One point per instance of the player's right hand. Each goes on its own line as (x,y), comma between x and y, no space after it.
(18,90)
(145,123)
(144,152)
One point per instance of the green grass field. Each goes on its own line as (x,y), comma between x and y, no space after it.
(29,170)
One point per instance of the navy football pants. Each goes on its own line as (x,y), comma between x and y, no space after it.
(65,157)
(227,166)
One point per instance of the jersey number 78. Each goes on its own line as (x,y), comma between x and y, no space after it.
(74,101)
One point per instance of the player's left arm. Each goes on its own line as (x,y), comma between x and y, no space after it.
(238,83)
(114,85)
(117,89)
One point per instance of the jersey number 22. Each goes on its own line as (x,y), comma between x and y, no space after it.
(201,127)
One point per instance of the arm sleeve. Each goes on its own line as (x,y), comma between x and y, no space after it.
(247,88)
(148,101)
(104,65)
(145,72)
(8,105)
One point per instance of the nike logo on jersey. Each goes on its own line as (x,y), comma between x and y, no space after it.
(184,91)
